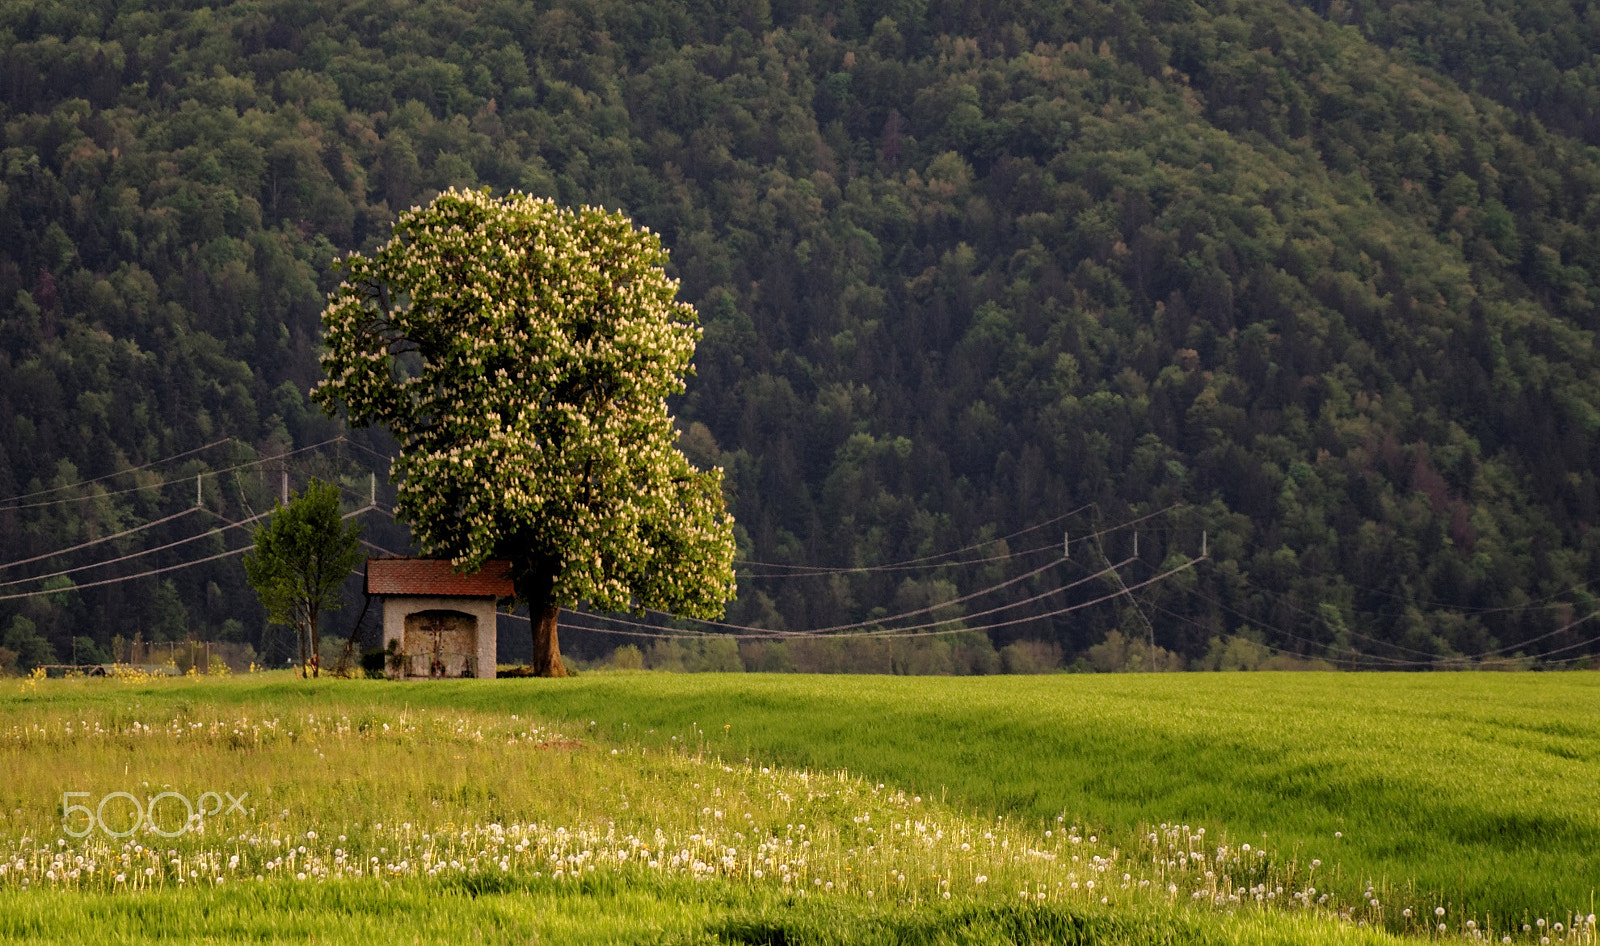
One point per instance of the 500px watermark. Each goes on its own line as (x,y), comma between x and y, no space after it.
(129,814)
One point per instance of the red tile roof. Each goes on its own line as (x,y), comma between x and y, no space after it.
(435,576)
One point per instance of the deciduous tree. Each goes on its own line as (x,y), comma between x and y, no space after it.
(302,556)
(522,354)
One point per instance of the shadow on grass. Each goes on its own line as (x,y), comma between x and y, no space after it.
(826,923)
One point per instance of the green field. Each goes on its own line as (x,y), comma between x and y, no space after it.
(1471,792)
(1481,788)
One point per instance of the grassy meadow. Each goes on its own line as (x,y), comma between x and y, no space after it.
(682,809)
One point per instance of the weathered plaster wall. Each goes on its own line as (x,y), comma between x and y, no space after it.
(396,607)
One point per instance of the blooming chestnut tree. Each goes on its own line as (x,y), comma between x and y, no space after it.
(522,354)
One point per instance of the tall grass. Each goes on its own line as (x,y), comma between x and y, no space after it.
(1473,788)
(609,911)
(997,802)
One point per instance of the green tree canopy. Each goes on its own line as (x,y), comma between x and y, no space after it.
(23,639)
(522,354)
(301,558)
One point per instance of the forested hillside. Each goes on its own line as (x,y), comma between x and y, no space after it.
(1315,279)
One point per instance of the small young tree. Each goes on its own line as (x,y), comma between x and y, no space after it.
(522,355)
(302,556)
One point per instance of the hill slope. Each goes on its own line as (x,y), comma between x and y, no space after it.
(962,271)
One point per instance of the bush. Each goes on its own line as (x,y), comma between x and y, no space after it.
(1239,652)
(1118,654)
(703,655)
(627,657)
(712,655)
(665,655)
(31,649)
(765,657)
(373,661)
(1031,657)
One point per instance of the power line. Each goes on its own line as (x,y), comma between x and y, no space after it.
(1305,640)
(148,525)
(1110,569)
(927,561)
(153,571)
(902,633)
(1538,604)
(132,555)
(164,483)
(1384,663)
(875,624)
(917,631)
(1511,647)
(1429,660)
(379,548)
(131,469)
(1150,629)
(106,538)
(1120,592)
(911,563)
(1587,643)
(802,571)
(1278,650)
(809,571)
(773,634)
(363,447)
(893,617)
(908,565)
(113,581)
(830,632)
(887,566)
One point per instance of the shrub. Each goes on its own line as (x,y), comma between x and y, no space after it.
(1030,657)
(372,662)
(627,657)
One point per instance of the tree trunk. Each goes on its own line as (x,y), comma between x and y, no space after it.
(536,587)
(316,646)
(546,660)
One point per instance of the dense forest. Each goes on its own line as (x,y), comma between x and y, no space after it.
(1309,282)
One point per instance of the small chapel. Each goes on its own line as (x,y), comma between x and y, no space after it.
(438,623)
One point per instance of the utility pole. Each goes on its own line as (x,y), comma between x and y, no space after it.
(285,486)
